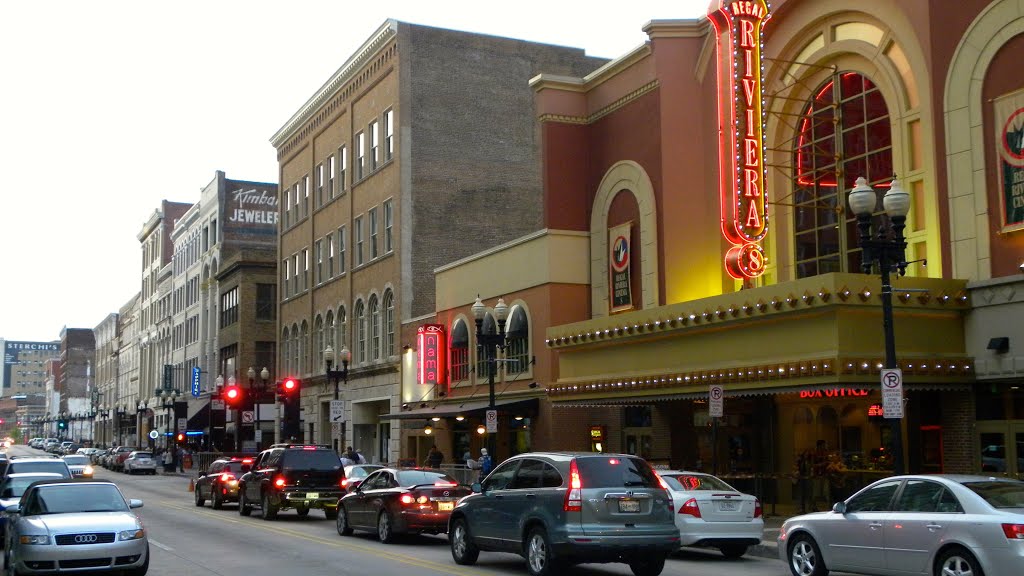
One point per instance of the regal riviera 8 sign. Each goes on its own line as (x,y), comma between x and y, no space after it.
(739,29)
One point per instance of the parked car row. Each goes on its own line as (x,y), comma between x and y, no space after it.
(54,445)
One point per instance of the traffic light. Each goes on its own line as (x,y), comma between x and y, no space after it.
(62,424)
(181,437)
(233,395)
(288,391)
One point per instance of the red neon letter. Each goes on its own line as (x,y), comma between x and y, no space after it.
(747,34)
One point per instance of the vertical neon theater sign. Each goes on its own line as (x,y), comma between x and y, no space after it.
(739,27)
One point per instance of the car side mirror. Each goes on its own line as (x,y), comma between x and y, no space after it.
(13,509)
(135,503)
(839,508)
(476,488)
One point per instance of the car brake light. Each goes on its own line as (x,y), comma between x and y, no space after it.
(279,481)
(574,495)
(690,508)
(757,508)
(407,499)
(1014,531)
(226,477)
(613,461)
(422,500)
(246,460)
(445,484)
(661,481)
(344,482)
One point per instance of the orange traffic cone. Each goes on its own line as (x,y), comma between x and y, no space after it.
(191,485)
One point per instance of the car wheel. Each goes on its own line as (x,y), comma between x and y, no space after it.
(733,550)
(540,558)
(650,566)
(303,511)
(199,499)
(385,529)
(217,501)
(805,557)
(341,520)
(464,552)
(244,508)
(957,562)
(269,510)
(141,570)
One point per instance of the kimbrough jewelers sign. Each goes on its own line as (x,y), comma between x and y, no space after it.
(1009,129)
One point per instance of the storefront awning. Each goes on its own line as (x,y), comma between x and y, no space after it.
(451,409)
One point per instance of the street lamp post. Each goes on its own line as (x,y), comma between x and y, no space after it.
(168,397)
(337,375)
(887,248)
(121,410)
(140,414)
(257,399)
(491,344)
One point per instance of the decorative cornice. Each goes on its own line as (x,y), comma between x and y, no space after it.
(621,102)
(693,28)
(343,75)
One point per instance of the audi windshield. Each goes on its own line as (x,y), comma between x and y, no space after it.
(72,498)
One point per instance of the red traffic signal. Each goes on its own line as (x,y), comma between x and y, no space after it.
(180,437)
(290,385)
(232,395)
(288,389)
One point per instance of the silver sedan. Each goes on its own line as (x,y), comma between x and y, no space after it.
(78,526)
(934,525)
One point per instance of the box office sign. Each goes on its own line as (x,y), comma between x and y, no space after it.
(619,256)
(432,351)
(1009,129)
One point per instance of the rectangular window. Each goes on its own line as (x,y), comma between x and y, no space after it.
(305,268)
(373,233)
(228,356)
(266,356)
(287,267)
(330,255)
(330,178)
(359,240)
(287,211)
(318,253)
(374,131)
(389,224)
(295,277)
(305,196)
(266,302)
(460,364)
(360,155)
(320,185)
(342,167)
(389,134)
(229,307)
(342,243)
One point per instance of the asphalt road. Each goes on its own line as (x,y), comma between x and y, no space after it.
(186,540)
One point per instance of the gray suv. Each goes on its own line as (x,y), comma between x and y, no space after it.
(561,508)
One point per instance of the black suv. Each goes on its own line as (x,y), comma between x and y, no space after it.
(299,476)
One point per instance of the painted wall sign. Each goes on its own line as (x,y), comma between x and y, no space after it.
(619,257)
(432,351)
(1009,130)
(834,393)
(739,27)
(251,211)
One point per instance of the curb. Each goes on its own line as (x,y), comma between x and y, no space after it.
(764,551)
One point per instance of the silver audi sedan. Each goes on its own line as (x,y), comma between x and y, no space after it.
(75,526)
(934,525)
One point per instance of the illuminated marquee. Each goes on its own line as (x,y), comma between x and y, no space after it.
(739,26)
(432,347)
(835,393)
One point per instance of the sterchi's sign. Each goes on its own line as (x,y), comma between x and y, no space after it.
(432,347)
(739,26)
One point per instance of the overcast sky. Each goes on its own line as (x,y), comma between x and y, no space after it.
(108,107)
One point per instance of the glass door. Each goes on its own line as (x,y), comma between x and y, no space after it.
(1000,448)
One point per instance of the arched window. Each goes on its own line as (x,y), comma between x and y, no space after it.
(286,345)
(389,324)
(843,134)
(329,327)
(374,328)
(321,343)
(295,350)
(303,363)
(360,332)
(518,339)
(459,348)
(483,369)
(341,330)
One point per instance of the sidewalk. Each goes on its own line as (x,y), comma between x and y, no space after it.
(768,548)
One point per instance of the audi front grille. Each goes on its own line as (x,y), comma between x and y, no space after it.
(82,539)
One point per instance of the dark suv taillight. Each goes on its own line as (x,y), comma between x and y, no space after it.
(574,495)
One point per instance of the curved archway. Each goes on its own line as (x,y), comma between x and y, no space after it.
(624,175)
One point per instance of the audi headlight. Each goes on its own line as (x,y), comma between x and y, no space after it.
(131,534)
(34,539)
(87,471)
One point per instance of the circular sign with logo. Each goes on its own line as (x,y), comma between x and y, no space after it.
(153,434)
(1013,139)
(620,254)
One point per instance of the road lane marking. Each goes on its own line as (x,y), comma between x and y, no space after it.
(337,543)
(161,546)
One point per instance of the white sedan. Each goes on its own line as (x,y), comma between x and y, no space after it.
(710,513)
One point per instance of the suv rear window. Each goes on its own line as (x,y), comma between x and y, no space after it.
(417,477)
(999,494)
(311,460)
(615,472)
(236,467)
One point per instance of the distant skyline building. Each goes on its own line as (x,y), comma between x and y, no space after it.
(24,369)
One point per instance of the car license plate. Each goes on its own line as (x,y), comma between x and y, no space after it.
(312,495)
(728,506)
(629,506)
(445,506)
